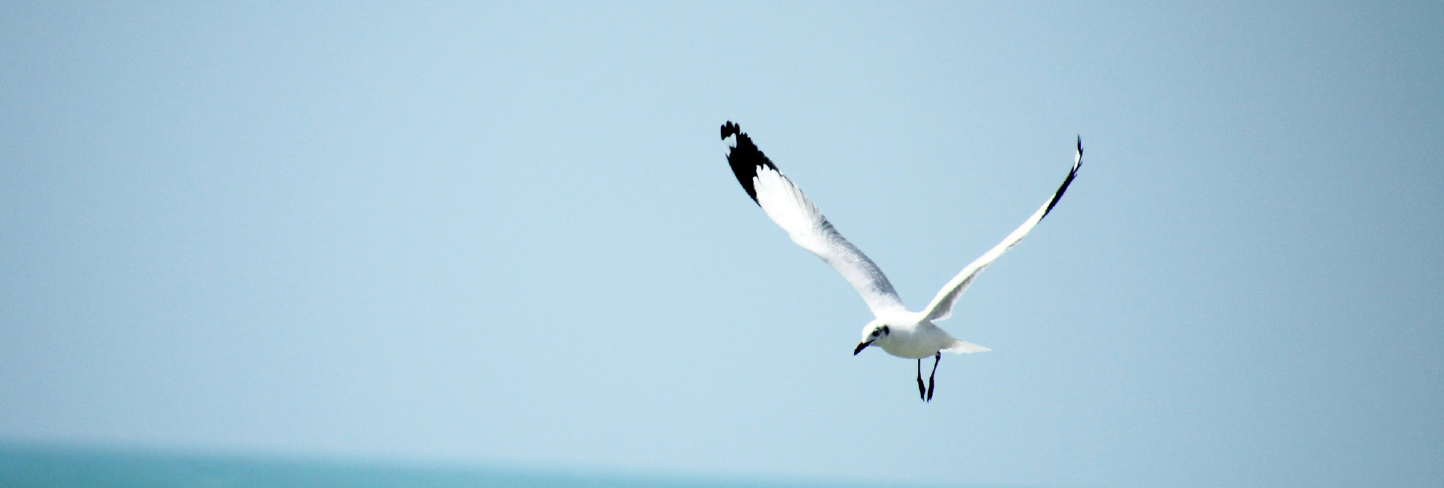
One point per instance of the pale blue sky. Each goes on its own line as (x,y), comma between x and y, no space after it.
(506,235)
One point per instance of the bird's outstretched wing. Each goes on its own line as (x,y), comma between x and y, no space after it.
(785,204)
(942,305)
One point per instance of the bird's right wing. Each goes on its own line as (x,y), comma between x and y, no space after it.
(785,204)
(942,305)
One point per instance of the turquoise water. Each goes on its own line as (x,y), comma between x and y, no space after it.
(51,467)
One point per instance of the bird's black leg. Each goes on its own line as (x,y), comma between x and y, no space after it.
(922,393)
(937,358)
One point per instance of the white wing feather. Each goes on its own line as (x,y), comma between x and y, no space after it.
(785,204)
(942,305)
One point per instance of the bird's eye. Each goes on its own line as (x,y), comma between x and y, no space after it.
(875,332)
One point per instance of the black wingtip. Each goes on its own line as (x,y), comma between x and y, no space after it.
(1071,174)
(730,128)
(745,158)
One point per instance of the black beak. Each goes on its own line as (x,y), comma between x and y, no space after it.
(860,347)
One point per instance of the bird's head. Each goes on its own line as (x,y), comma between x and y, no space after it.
(874,332)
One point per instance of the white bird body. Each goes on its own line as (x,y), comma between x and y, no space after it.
(912,336)
(895,329)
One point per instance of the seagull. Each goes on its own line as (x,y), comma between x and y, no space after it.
(900,332)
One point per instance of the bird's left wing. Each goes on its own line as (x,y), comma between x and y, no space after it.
(942,305)
(785,204)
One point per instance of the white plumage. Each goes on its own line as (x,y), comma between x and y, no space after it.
(895,329)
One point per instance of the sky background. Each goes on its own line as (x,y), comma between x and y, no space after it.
(506,235)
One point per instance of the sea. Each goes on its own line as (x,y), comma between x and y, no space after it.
(43,466)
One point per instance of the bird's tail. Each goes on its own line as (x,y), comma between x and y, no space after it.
(960,347)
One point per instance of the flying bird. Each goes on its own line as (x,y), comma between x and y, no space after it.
(894,328)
